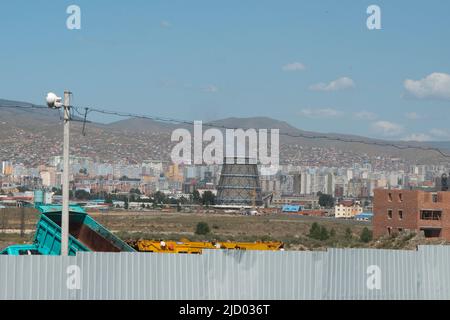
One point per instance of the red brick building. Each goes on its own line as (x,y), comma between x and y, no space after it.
(414,210)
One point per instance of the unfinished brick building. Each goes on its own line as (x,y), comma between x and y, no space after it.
(414,210)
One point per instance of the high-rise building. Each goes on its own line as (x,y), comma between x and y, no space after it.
(297,183)
(7,168)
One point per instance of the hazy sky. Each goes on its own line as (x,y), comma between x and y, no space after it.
(312,63)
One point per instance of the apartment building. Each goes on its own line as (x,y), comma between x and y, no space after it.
(414,210)
(347,209)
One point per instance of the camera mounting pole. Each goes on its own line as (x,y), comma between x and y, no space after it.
(54,102)
(66,180)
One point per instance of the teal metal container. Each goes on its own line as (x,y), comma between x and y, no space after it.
(48,231)
(20,250)
(85,234)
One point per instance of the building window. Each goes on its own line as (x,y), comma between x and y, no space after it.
(389,213)
(389,230)
(400,197)
(431,233)
(400,214)
(400,230)
(390,197)
(434,197)
(430,215)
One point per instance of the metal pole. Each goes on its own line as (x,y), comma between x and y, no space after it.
(22,221)
(65,178)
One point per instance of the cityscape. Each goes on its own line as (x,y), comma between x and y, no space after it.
(234,154)
(356,182)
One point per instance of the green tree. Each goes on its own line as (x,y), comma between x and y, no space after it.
(324,235)
(202,228)
(332,233)
(326,200)
(82,195)
(366,235)
(208,198)
(314,231)
(318,232)
(348,234)
(196,198)
(159,197)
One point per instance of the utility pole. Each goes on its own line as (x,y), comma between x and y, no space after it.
(54,102)
(65,178)
(22,220)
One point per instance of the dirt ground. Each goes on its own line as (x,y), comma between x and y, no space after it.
(222,225)
(290,229)
(293,230)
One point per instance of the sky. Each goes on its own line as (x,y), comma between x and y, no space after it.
(314,64)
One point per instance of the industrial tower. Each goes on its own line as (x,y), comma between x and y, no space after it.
(239,184)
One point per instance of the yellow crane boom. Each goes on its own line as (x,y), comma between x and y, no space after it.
(196,247)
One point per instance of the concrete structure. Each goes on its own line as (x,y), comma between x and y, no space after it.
(239,184)
(306,201)
(412,210)
(174,173)
(48,177)
(347,209)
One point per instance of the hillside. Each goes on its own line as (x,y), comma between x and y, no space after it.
(31,136)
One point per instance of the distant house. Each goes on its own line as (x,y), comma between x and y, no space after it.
(347,209)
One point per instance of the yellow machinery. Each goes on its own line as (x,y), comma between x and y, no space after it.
(186,246)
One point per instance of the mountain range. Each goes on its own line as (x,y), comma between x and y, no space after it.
(31,136)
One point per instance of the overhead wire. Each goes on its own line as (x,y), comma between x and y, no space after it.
(85,111)
(287,134)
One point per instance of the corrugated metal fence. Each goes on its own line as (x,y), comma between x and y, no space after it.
(259,275)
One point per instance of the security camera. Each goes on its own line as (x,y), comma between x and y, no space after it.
(53,101)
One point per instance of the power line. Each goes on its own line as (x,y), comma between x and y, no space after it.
(85,111)
(306,136)
(29,106)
